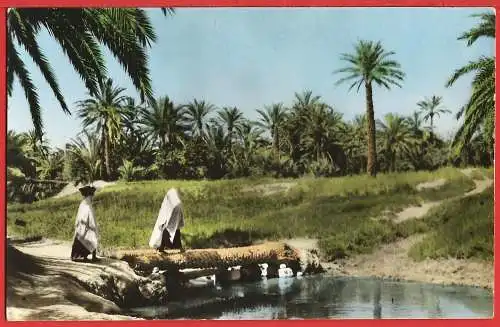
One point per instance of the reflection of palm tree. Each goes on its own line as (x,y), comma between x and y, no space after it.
(377,297)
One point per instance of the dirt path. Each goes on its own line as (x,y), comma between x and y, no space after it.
(43,284)
(415,212)
(392,260)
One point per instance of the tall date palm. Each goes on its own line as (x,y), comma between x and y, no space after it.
(370,64)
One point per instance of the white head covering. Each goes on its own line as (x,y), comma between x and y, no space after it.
(170,217)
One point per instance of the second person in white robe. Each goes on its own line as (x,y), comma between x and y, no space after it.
(166,232)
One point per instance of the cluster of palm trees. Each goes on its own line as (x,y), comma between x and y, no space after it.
(198,140)
(157,138)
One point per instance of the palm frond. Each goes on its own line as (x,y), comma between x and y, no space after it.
(30,91)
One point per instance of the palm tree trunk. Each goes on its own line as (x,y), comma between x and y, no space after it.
(393,162)
(278,147)
(432,127)
(371,165)
(106,157)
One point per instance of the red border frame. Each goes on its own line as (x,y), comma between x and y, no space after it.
(227,3)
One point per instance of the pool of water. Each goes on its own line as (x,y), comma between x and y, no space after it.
(325,297)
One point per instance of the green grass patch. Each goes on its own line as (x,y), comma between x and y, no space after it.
(339,211)
(459,229)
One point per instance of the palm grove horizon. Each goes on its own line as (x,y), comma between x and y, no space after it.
(157,138)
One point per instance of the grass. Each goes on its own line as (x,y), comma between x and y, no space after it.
(481,173)
(460,229)
(338,211)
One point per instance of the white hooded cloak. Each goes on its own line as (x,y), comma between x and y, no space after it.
(170,217)
(86,230)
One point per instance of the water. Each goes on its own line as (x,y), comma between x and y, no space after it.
(323,297)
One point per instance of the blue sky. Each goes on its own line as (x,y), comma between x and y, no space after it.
(253,57)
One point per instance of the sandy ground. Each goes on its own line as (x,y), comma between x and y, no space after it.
(72,189)
(434,184)
(269,189)
(392,261)
(45,287)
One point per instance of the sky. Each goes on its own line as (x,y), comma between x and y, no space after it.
(250,58)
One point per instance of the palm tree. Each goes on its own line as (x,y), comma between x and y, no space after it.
(479,111)
(125,32)
(16,154)
(48,167)
(86,151)
(130,117)
(485,29)
(196,116)
(305,101)
(415,124)
(232,119)
(272,119)
(370,64)
(354,144)
(296,122)
(396,138)
(164,122)
(321,126)
(431,108)
(36,146)
(216,140)
(105,111)
(249,135)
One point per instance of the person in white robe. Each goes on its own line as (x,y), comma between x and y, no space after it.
(166,232)
(86,236)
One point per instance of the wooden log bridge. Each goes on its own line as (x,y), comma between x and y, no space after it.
(272,253)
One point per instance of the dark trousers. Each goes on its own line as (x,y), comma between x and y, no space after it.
(165,240)
(78,251)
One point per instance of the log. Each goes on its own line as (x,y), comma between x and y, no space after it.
(147,259)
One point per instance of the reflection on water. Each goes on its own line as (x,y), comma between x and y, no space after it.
(323,297)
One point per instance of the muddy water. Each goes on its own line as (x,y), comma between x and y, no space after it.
(325,297)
